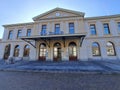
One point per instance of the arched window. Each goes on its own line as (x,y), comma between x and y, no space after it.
(95,49)
(26,50)
(7,51)
(72,51)
(110,49)
(16,51)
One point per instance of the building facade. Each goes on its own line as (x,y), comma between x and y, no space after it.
(63,35)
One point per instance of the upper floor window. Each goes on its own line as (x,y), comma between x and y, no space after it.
(29,32)
(10,35)
(106,28)
(119,26)
(92,29)
(19,33)
(57,28)
(71,28)
(43,31)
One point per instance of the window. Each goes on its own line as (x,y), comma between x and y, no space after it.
(10,35)
(43,31)
(93,29)
(29,32)
(119,26)
(7,51)
(95,49)
(71,28)
(106,29)
(110,49)
(16,51)
(19,33)
(26,50)
(57,28)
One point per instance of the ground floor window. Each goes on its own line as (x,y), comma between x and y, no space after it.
(95,49)
(16,51)
(72,49)
(26,51)
(110,49)
(7,51)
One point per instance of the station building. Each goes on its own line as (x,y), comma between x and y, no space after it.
(63,35)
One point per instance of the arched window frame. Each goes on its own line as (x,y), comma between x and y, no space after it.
(110,49)
(26,51)
(16,51)
(96,49)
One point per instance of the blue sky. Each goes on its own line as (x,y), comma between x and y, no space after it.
(20,11)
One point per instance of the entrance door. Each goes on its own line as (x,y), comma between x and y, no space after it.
(72,51)
(42,52)
(57,52)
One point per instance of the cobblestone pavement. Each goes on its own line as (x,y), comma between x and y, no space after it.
(57,81)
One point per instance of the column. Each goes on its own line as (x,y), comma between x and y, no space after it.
(103,50)
(12,50)
(21,50)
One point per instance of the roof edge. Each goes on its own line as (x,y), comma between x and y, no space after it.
(102,17)
(57,8)
(17,24)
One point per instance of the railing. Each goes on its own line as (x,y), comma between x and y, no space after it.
(51,33)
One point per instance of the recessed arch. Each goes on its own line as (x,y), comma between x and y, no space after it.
(72,49)
(96,49)
(7,51)
(42,52)
(26,51)
(57,54)
(16,51)
(110,48)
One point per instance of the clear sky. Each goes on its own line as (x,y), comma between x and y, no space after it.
(20,11)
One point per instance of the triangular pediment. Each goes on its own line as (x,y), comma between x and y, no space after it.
(58,13)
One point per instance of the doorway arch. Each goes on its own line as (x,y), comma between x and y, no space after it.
(42,52)
(72,49)
(57,55)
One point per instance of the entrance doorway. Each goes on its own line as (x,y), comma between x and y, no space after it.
(42,52)
(57,52)
(72,49)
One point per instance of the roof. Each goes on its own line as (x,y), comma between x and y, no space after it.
(59,9)
(54,36)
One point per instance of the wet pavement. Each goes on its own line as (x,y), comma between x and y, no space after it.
(57,81)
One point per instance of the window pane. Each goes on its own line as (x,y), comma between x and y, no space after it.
(26,50)
(106,29)
(29,32)
(57,28)
(10,35)
(95,49)
(43,31)
(19,33)
(16,51)
(110,49)
(92,29)
(119,26)
(71,28)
